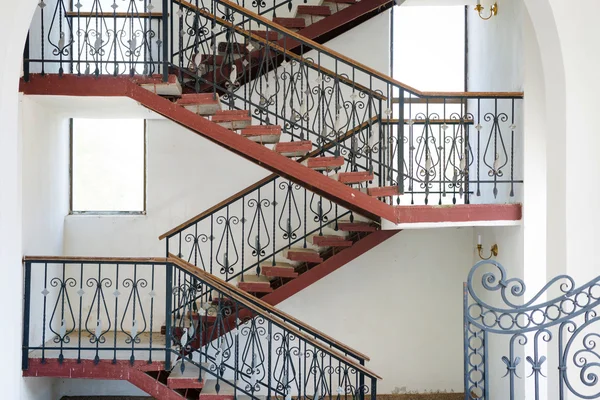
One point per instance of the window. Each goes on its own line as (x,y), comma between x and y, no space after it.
(429,47)
(108,163)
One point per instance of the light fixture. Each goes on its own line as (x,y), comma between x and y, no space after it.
(493,249)
(493,10)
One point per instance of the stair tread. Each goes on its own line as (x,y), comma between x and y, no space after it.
(314,10)
(236,48)
(188,379)
(302,255)
(325,163)
(294,23)
(231,115)
(209,388)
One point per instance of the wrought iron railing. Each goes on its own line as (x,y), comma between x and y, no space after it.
(114,308)
(542,344)
(253,228)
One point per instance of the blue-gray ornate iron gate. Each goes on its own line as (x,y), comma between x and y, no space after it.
(555,331)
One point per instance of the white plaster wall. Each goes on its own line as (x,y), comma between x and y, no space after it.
(45,189)
(400,304)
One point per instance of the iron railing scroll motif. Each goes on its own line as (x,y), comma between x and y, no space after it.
(548,340)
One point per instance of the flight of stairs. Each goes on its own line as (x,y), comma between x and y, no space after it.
(209,106)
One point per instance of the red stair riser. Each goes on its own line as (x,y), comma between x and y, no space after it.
(314,10)
(325,162)
(333,241)
(272,35)
(184,383)
(197,98)
(290,23)
(355,177)
(303,256)
(356,227)
(154,79)
(386,191)
(255,287)
(293,146)
(258,130)
(278,272)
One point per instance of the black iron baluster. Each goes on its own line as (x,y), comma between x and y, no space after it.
(152,294)
(478,163)
(26,316)
(512,150)
(168,313)
(400,146)
(80,310)
(116,312)
(165,26)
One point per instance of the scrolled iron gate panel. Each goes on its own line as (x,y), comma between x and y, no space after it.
(543,343)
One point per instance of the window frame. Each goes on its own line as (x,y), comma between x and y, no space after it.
(107,213)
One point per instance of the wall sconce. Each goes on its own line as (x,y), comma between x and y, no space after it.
(493,10)
(493,249)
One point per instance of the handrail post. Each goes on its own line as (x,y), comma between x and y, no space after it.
(168,312)
(165,23)
(400,142)
(26,315)
(361,381)
(373,388)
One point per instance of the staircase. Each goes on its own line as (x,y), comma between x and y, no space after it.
(344,144)
(218,343)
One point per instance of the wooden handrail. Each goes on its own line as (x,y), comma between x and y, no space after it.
(272,45)
(239,296)
(354,63)
(263,181)
(71,259)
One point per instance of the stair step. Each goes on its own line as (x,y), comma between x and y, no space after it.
(383,191)
(341,1)
(355,177)
(356,226)
(322,11)
(155,84)
(303,255)
(255,284)
(290,23)
(331,241)
(270,35)
(188,379)
(209,391)
(200,103)
(266,134)
(294,149)
(232,119)
(279,270)
(325,163)
(234,48)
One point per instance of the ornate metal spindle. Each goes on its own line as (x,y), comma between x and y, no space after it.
(512,150)
(80,311)
(27,317)
(152,294)
(477,163)
(169,314)
(116,294)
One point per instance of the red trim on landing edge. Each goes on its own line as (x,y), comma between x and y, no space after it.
(328,266)
(72,85)
(459,213)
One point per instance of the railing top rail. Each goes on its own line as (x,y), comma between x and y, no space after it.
(242,297)
(355,63)
(109,14)
(260,183)
(112,260)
